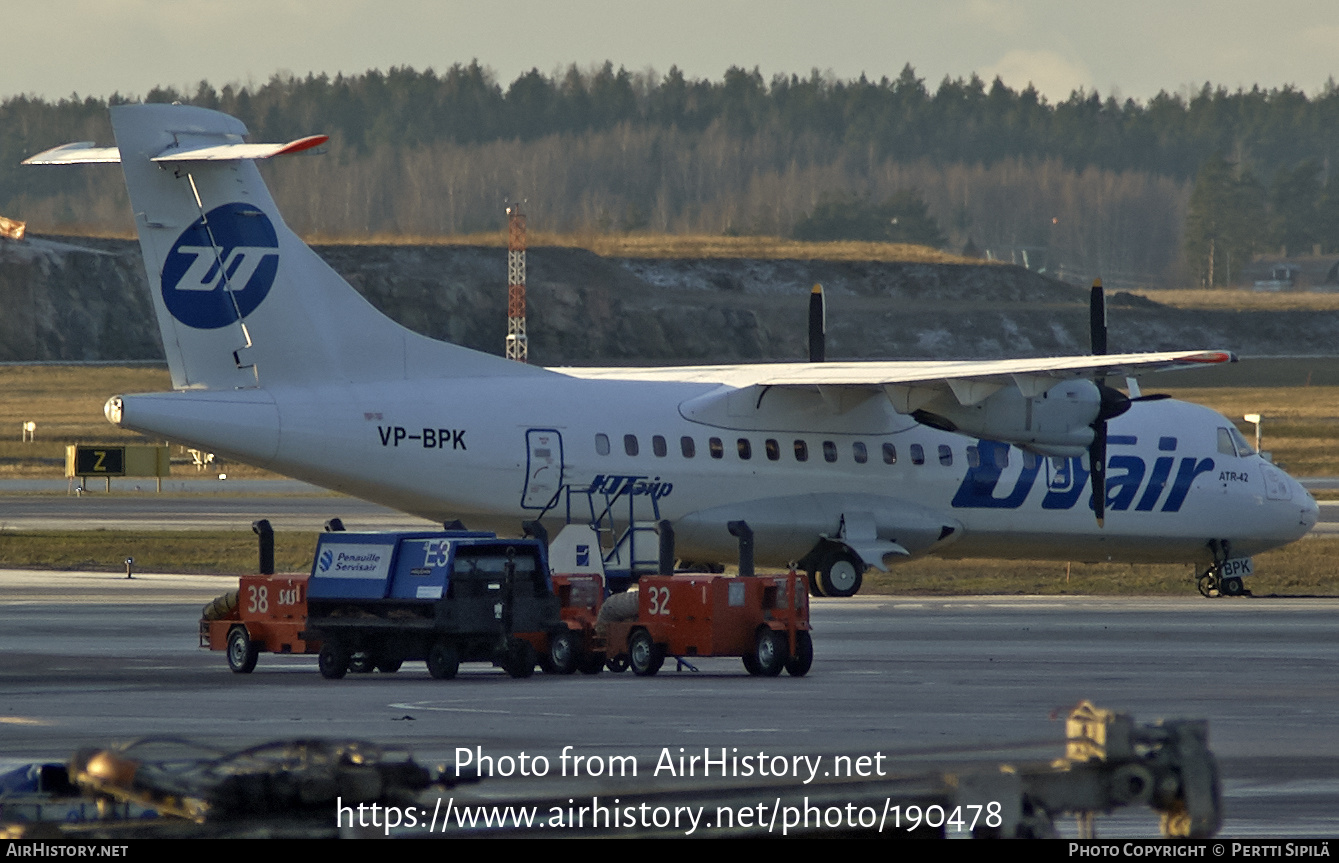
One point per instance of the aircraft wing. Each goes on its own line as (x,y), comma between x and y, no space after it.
(973,380)
(999,399)
(1030,375)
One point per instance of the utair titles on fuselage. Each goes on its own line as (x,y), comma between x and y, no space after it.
(277,362)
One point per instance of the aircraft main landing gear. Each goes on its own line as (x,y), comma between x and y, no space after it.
(840,573)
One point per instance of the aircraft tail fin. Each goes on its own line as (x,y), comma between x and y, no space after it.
(241,300)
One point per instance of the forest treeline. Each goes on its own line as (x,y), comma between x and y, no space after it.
(1092,185)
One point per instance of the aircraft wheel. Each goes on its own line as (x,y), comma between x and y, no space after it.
(1233,587)
(443,660)
(799,664)
(1205,584)
(242,654)
(814,588)
(333,661)
(564,652)
(362,662)
(617,664)
(841,573)
(520,659)
(644,655)
(770,652)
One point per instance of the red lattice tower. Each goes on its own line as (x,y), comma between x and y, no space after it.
(517,348)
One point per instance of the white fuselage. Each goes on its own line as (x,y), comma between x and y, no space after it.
(493,452)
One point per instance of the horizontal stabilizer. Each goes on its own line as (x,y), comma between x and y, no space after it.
(79,153)
(85,153)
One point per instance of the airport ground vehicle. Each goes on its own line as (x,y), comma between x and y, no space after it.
(764,619)
(376,600)
(580,598)
(267,614)
(373,601)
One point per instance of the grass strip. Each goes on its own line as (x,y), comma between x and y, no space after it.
(1302,569)
(193,551)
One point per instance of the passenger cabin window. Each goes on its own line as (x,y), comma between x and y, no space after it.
(602,444)
(658,446)
(859,453)
(889,454)
(687,446)
(973,457)
(945,455)
(773,449)
(801,451)
(745,448)
(717,448)
(917,454)
(630,444)
(829,451)
(1031,460)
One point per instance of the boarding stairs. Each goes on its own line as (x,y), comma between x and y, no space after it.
(625,523)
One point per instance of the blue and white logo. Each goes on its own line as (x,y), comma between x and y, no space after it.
(207,283)
(327,558)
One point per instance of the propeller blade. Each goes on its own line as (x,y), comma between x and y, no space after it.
(1097,319)
(1114,402)
(818,325)
(1097,470)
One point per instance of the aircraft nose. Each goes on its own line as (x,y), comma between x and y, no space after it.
(1310,509)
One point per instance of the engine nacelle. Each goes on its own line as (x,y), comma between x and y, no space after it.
(1058,422)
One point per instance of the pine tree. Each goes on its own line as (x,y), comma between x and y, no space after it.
(1225,222)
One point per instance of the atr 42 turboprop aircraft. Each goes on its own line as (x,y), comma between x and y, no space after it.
(276,361)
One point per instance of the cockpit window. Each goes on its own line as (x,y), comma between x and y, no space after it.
(1243,448)
(1231,442)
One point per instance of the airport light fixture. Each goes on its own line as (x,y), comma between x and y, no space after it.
(1254,418)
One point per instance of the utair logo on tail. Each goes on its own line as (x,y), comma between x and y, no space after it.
(825,463)
(221,267)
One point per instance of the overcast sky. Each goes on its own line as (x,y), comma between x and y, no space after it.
(1132,47)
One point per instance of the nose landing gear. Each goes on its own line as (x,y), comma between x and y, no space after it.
(1211,582)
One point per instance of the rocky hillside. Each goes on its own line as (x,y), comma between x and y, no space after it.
(84,299)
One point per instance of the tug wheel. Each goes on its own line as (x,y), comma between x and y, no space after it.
(520,660)
(770,652)
(644,655)
(443,660)
(591,663)
(333,661)
(564,652)
(242,653)
(799,664)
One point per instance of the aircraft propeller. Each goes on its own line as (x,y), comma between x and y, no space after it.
(818,325)
(1113,401)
